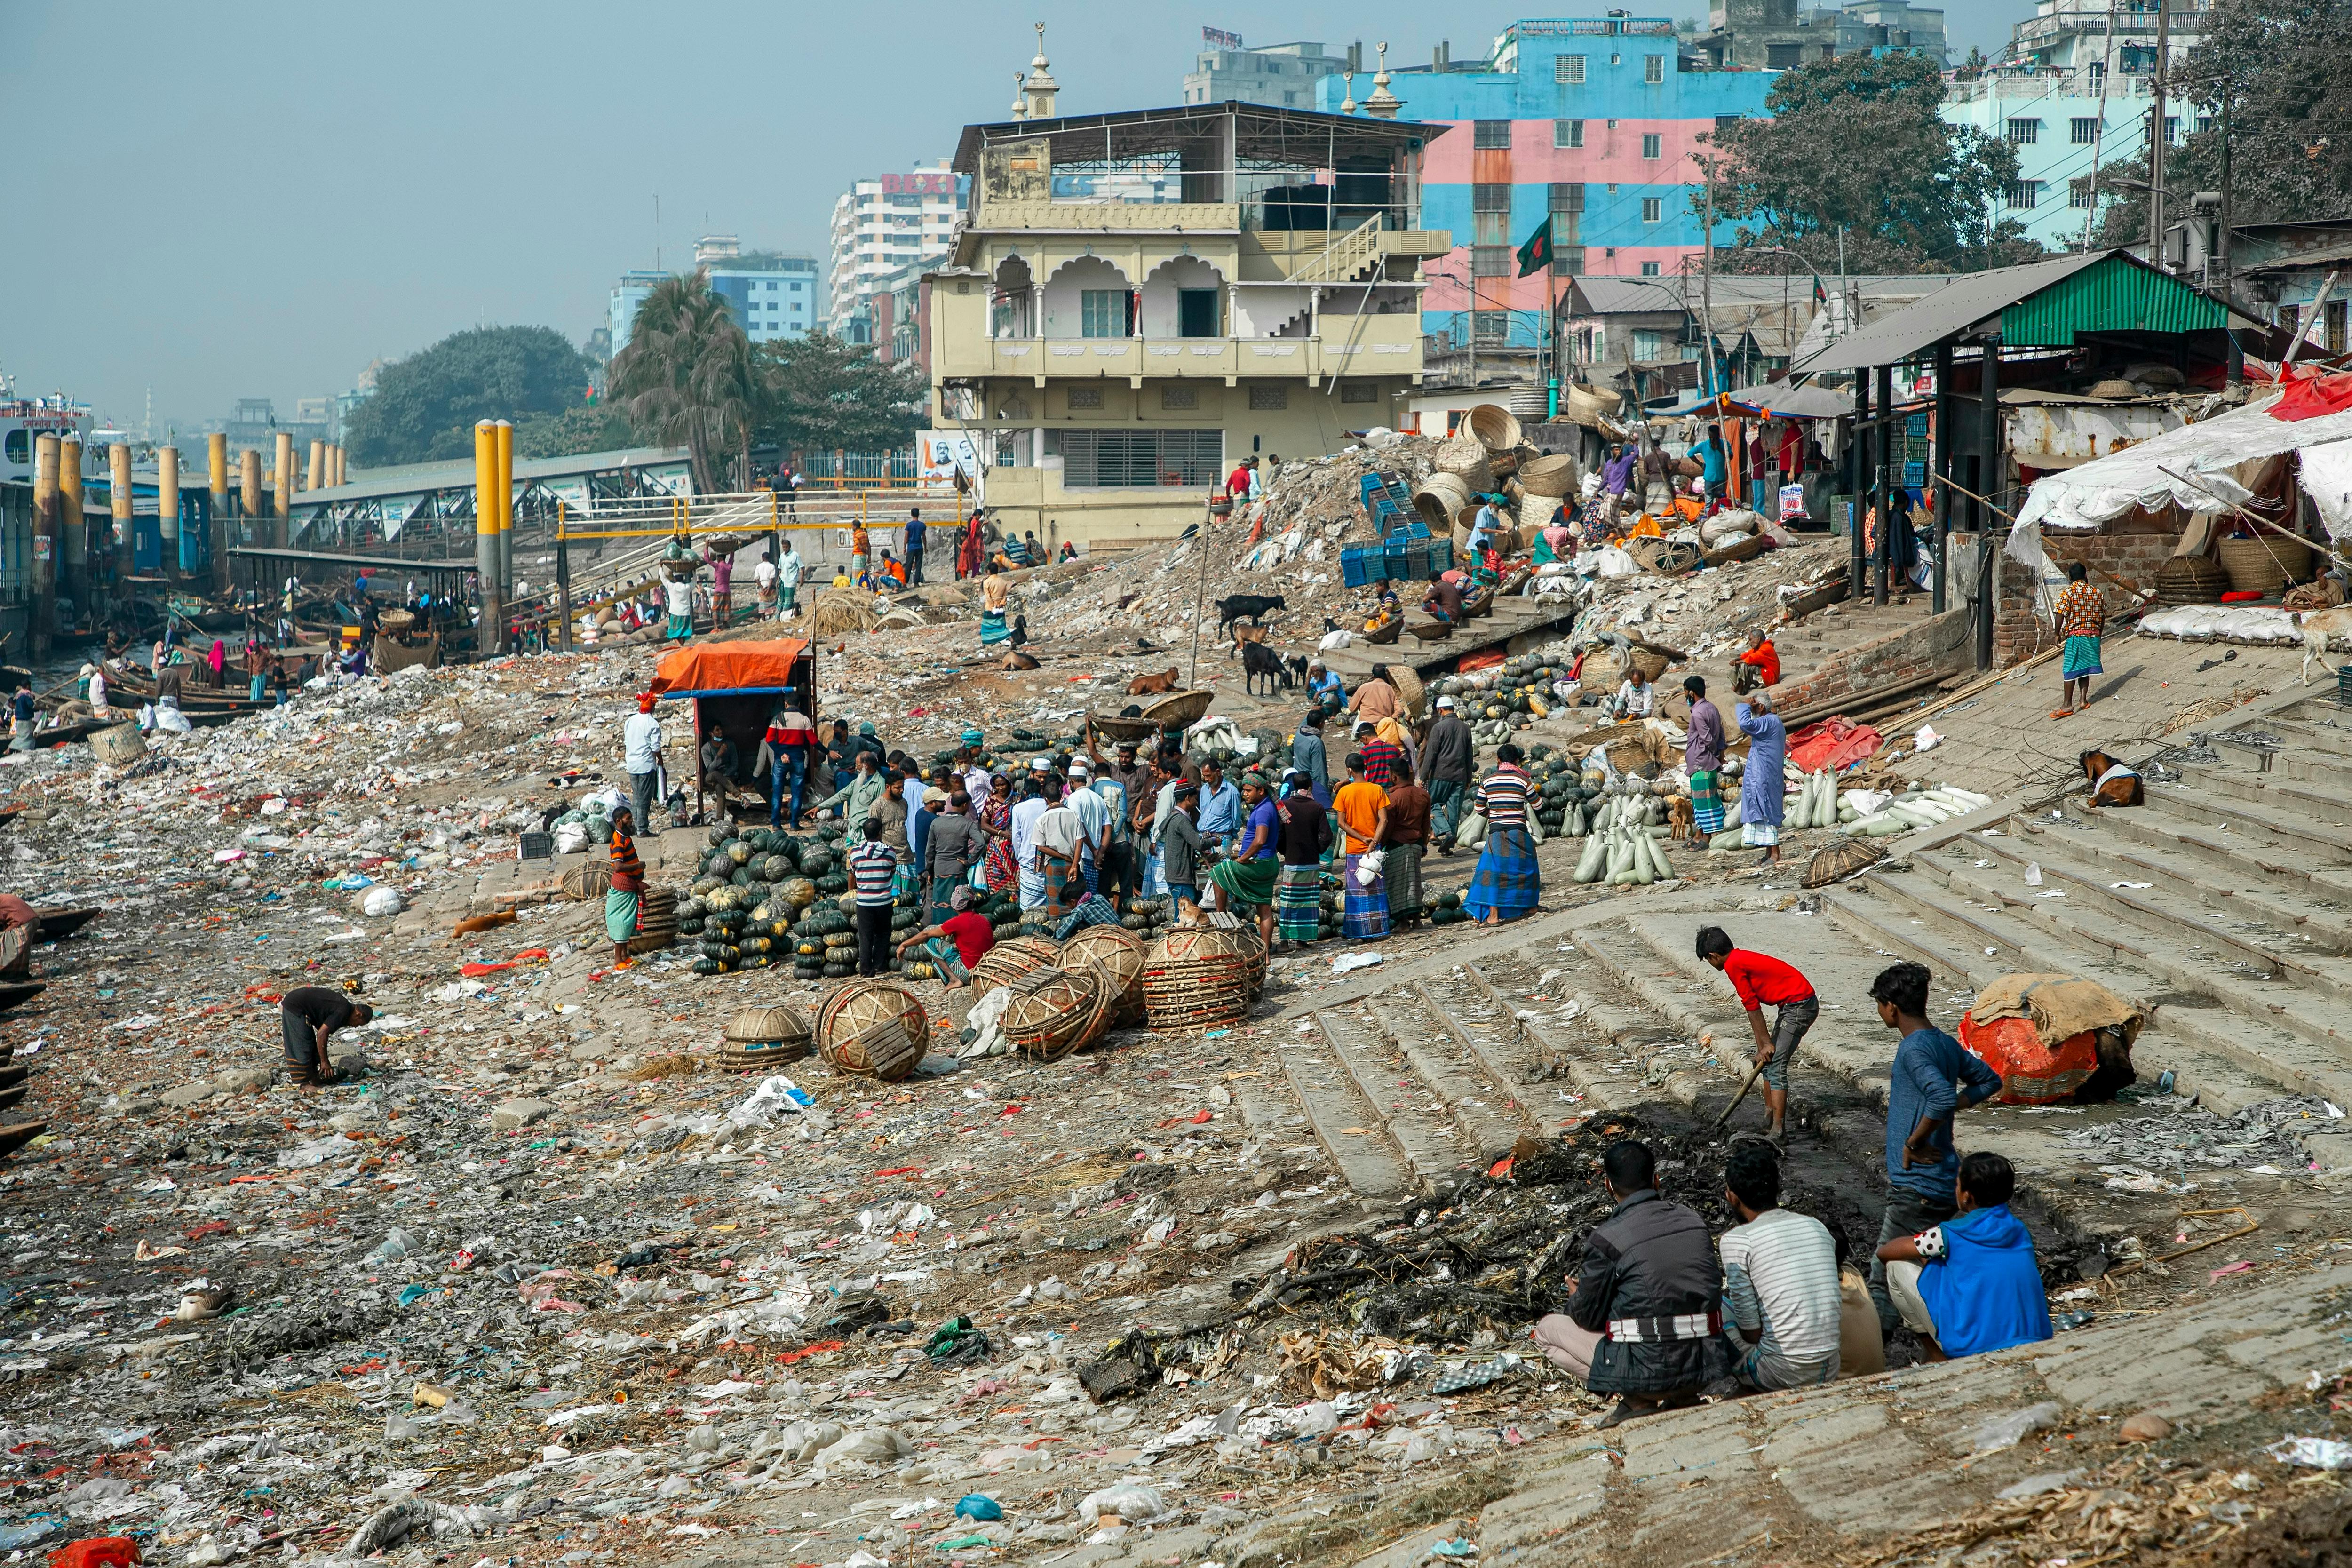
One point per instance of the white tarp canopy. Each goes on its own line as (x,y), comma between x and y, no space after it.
(2207,452)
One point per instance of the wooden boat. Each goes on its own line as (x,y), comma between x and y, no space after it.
(9,813)
(54,924)
(66,734)
(16,1137)
(16,993)
(194,697)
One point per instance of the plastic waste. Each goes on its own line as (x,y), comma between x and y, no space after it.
(2008,1431)
(381,901)
(394,1247)
(977,1506)
(1127,1502)
(2312,1453)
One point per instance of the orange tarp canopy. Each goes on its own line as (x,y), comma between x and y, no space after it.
(730,666)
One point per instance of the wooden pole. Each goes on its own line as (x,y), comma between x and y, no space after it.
(47,510)
(1989,476)
(167,509)
(1938,497)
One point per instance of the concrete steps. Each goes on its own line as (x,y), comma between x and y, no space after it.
(2303,823)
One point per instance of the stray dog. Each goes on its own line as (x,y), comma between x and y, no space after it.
(1259,660)
(1240,606)
(2317,627)
(1246,632)
(1685,820)
(1148,685)
(1017,659)
(2112,784)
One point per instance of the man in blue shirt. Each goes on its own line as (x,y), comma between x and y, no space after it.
(1220,806)
(1713,467)
(1932,1080)
(1971,1284)
(915,534)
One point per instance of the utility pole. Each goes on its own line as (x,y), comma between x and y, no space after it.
(2155,145)
(2235,362)
(2099,135)
(1707,282)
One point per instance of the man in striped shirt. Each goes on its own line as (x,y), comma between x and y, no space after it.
(1507,884)
(872,865)
(1380,756)
(1780,1279)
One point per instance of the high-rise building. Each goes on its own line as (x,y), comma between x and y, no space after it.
(1282,75)
(1593,123)
(2116,35)
(883,225)
(1781,34)
(627,295)
(772,293)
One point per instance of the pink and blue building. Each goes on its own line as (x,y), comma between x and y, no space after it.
(1595,123)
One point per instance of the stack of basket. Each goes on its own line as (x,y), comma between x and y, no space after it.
(1009,959)
(1465,456)
(1240,940)
(1204,992)
(656,920)
(590,880)
(1056,1011)
(754,1039)
(872,1029)
(2190,579)
(1120,954)
(2263,563)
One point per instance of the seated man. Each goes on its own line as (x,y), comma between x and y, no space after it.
(1645,1321)
(956,943)
(1780,1280)
(1971,1284)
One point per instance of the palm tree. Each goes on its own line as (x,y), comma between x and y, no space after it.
(685,377)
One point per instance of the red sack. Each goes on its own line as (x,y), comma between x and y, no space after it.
(2030,1072)
(106,1551)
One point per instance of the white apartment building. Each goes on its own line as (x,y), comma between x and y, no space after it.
(882,225)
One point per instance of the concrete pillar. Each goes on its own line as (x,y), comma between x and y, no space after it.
(248,497)
(46,511)
(316,473)
(336,454)
(504,431)
(167,508)
(490,635)
(118,495)
(281,509)
(73,530)
(217,473)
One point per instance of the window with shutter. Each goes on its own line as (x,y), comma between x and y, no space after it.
(1568,69)
(1568,132)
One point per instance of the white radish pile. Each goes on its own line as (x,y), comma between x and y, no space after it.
(1923,808)
(1622,853)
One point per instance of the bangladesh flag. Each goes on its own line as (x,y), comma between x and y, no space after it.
(1535,256)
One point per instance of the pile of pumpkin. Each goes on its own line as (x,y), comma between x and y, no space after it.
(1512,694)
(758,900)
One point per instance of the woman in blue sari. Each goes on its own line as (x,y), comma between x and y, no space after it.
(1762,787)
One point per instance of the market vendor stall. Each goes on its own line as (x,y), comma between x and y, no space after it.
(736,687)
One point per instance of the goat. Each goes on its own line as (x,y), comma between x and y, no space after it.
(1260,661)
(1148,685)
(2317,627)
(2112,784)
(1238,607)
(1246,632)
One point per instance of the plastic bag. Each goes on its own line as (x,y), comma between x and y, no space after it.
(775,1096)
(380,902)
(2009,1431)
(2030,1072)
(1127,1502)
(571,837)
(1368,867)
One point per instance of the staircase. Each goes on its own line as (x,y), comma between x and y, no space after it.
(1346,260)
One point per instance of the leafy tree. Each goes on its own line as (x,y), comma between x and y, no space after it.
(686,378)
(819,393)
(2276,65)
(425,407)
(584,428)
(1855,144)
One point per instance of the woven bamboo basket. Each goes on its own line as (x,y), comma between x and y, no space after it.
(1494,426)
(396,620)
(1535,512)
(1465,456)
(1240,940)
(754,1038)
(1178,708)
(1439,497)
(2265,563)
(1009,959)
(1204,992)
(1053,1012)
(1120,954)
(1842,861)
(1114,728)
(1409,689)
(1747,549)
(1430,631)
(592,881)
(656,921)
(872,1029)
(1386,633)
(1554,475)
(2190,579)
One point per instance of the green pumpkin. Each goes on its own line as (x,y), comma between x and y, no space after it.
(737,851)
(706,967)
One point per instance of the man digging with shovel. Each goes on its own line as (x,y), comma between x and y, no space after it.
(1760,979)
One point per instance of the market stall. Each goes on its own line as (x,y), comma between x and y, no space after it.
(736,687)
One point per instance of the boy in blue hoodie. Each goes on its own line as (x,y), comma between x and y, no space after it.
(1971,1284)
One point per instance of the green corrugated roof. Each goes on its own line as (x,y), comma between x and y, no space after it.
(2115,295)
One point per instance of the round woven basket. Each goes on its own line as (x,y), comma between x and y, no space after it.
(1409,688)
(1586,403)
(767,1025)
(1842,861)
(1010,959)
(1465,456)
(1494,426)
(872,1029)
(396,620)
(592,881)
(656,920)
(1550,476)
(1178,708)
(1055,1012)
(1204,992)
(1241,942)
(2265,563)
(1120,953)
(2190,579)
(1439,497)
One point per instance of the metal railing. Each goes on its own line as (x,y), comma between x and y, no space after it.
(1340,260)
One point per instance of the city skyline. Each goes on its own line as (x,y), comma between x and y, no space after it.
(431,188)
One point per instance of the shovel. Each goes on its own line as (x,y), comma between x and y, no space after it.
(1754,1068)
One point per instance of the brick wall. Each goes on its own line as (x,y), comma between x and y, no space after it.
(2131,548)
(1938,645)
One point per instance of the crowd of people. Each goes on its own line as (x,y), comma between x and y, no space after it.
(1660,1313)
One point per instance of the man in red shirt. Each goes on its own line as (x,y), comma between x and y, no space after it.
(955,943)
(1760,979)
(1763,658)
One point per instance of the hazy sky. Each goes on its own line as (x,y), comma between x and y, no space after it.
(255,200)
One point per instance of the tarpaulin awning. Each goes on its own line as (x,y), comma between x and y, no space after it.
(2204,453)
(1777,401)
(730,666)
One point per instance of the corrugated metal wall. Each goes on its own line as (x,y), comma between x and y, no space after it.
(2115,296)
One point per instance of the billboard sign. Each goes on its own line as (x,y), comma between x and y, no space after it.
(1218,39)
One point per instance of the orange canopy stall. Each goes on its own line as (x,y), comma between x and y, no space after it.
(736,687)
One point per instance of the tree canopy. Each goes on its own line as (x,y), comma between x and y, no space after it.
(2276,65)
(685,377)
(424,407)
(1855,145)
(819,393)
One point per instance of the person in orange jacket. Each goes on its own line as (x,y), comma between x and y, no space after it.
(1763,659)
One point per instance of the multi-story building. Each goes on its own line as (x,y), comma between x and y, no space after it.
(2118,35)
(773,294)
(627,295)
(1282,75)
(882,224)
(1116,358)
(2066,124)
(1594,122)
(891,316)
(1781,34)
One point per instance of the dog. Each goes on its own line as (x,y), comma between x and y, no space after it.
(1246,632)
(1259,661)
(1017,659)
(1680,812)
(2317,626)
(1240,606)
(1150,685)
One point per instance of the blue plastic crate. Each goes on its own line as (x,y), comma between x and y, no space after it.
(1392,559)
(1361,565)
(1440,557)
(1914,476)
